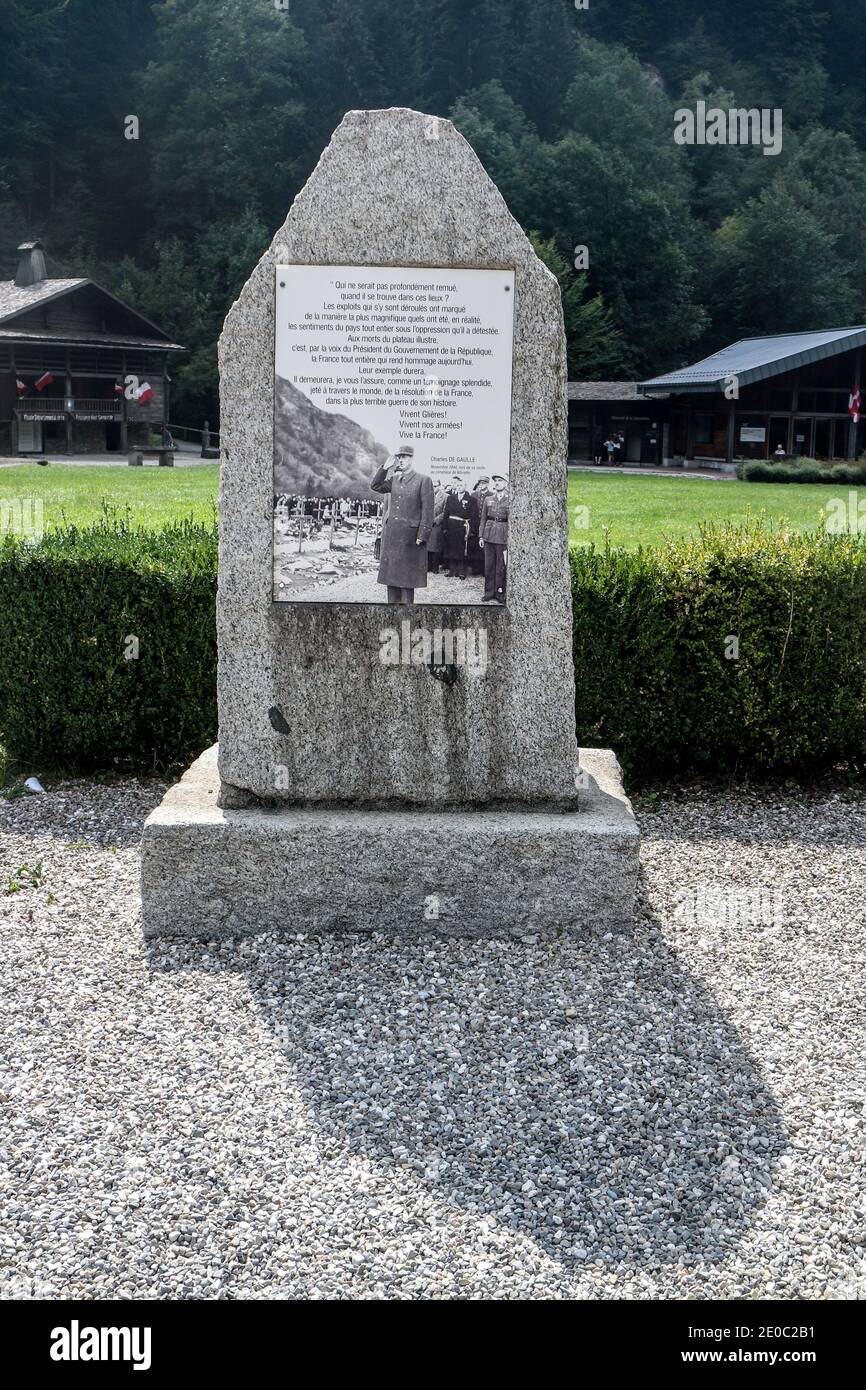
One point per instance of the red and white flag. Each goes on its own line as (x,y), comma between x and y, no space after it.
(45,380)
(118,388)
(145,392)
(854,403)
(20,386)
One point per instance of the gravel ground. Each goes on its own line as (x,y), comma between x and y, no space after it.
(441,589)
(678,1114)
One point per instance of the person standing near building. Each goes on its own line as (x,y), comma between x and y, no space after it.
(434,544)
(407,527)
(455,522)
(494,540)
(474,554)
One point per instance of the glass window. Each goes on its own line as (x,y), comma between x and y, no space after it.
(840,441)
(778,434)
(822,438)
(801,445)
(751,439)
(703,429)
(711,435)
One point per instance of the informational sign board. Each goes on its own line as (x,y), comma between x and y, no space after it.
(392,412)
(752,434)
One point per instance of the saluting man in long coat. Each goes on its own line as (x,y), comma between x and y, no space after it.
(403,561)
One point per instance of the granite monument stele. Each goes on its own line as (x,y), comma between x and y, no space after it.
(349,794)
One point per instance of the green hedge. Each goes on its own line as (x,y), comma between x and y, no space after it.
(650,631)
(650,634)
(801,471)
(69,695)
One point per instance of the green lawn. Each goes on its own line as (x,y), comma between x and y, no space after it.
(649,510)
(149,496)
(636,510)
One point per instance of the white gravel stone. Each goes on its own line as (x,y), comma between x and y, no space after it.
(678,1114)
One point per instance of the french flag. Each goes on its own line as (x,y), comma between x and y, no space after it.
(20,386)
(145,393)
(45,380)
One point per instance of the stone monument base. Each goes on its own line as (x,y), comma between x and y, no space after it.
(209,873)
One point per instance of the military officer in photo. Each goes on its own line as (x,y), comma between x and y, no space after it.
(456,522)
(407,527)
(494,540)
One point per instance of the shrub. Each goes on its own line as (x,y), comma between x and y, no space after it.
(650,633)
(72,692)
(801,471)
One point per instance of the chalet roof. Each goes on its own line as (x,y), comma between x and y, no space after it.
(604,391)
(16,300)
(755,359)
(69,336)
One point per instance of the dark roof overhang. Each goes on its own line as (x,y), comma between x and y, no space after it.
(703,379)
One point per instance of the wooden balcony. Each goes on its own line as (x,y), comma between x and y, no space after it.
(42,405)
(82,406)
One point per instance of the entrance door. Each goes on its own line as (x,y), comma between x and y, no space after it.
(29,437)
(112,436)
(778,434)
(840,437)
(632,431)
(801,446)
(822,439)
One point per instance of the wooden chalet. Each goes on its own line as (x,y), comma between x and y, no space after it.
(80,371)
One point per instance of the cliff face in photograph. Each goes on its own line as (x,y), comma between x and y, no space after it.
(317,454)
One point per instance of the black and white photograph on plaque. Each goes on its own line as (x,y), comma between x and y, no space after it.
(392,435)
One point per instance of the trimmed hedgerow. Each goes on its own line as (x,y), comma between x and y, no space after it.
(743,649)
(802,471)
(74,611)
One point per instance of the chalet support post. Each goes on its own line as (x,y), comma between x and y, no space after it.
(67,414)
(852,428)
(13,444)
(690,432)
(732,432)
(124,427)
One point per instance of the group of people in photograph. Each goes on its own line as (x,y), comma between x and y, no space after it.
(444,528)
(470,533)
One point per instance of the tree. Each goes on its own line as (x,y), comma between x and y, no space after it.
(222,112)
(595,347)
(777,269)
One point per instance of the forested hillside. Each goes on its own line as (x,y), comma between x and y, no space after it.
(570,110)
